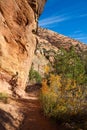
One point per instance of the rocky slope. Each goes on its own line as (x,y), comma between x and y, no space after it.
(18,25)
(59,40)
(48,43)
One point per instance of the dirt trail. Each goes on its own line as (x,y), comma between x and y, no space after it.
(34,118)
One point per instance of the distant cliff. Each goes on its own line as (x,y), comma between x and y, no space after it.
(18,25)
(59,40)
(48,43)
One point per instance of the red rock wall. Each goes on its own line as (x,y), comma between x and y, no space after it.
(17,42)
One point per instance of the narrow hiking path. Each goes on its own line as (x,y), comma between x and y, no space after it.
(34,117)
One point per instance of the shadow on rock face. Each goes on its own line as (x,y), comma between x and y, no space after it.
(6,118)
(2,127)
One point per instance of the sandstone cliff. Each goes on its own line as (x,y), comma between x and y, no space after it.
(59,40)
(18,25)
(48,43)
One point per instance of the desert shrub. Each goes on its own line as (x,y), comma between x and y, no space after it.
(60,100)
(34,76)
(63,92)
(48,98)
(3,97)
(83,56)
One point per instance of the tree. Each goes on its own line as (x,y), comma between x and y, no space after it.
(60,63)
(69,65)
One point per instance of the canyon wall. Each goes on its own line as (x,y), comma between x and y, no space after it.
(49,42)
(18,26)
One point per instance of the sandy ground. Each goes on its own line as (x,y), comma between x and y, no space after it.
(34,117)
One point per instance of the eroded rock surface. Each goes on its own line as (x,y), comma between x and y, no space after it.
(18,24)
(11,115)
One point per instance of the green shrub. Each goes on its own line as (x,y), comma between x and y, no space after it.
(49,102)
(3,97)
(34,76)
(64,90)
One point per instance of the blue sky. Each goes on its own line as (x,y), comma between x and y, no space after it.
(67,17)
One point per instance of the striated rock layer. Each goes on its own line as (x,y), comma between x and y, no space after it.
(18,24)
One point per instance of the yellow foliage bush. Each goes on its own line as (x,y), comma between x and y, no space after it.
(60,97)
(45,86)
(47,69)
